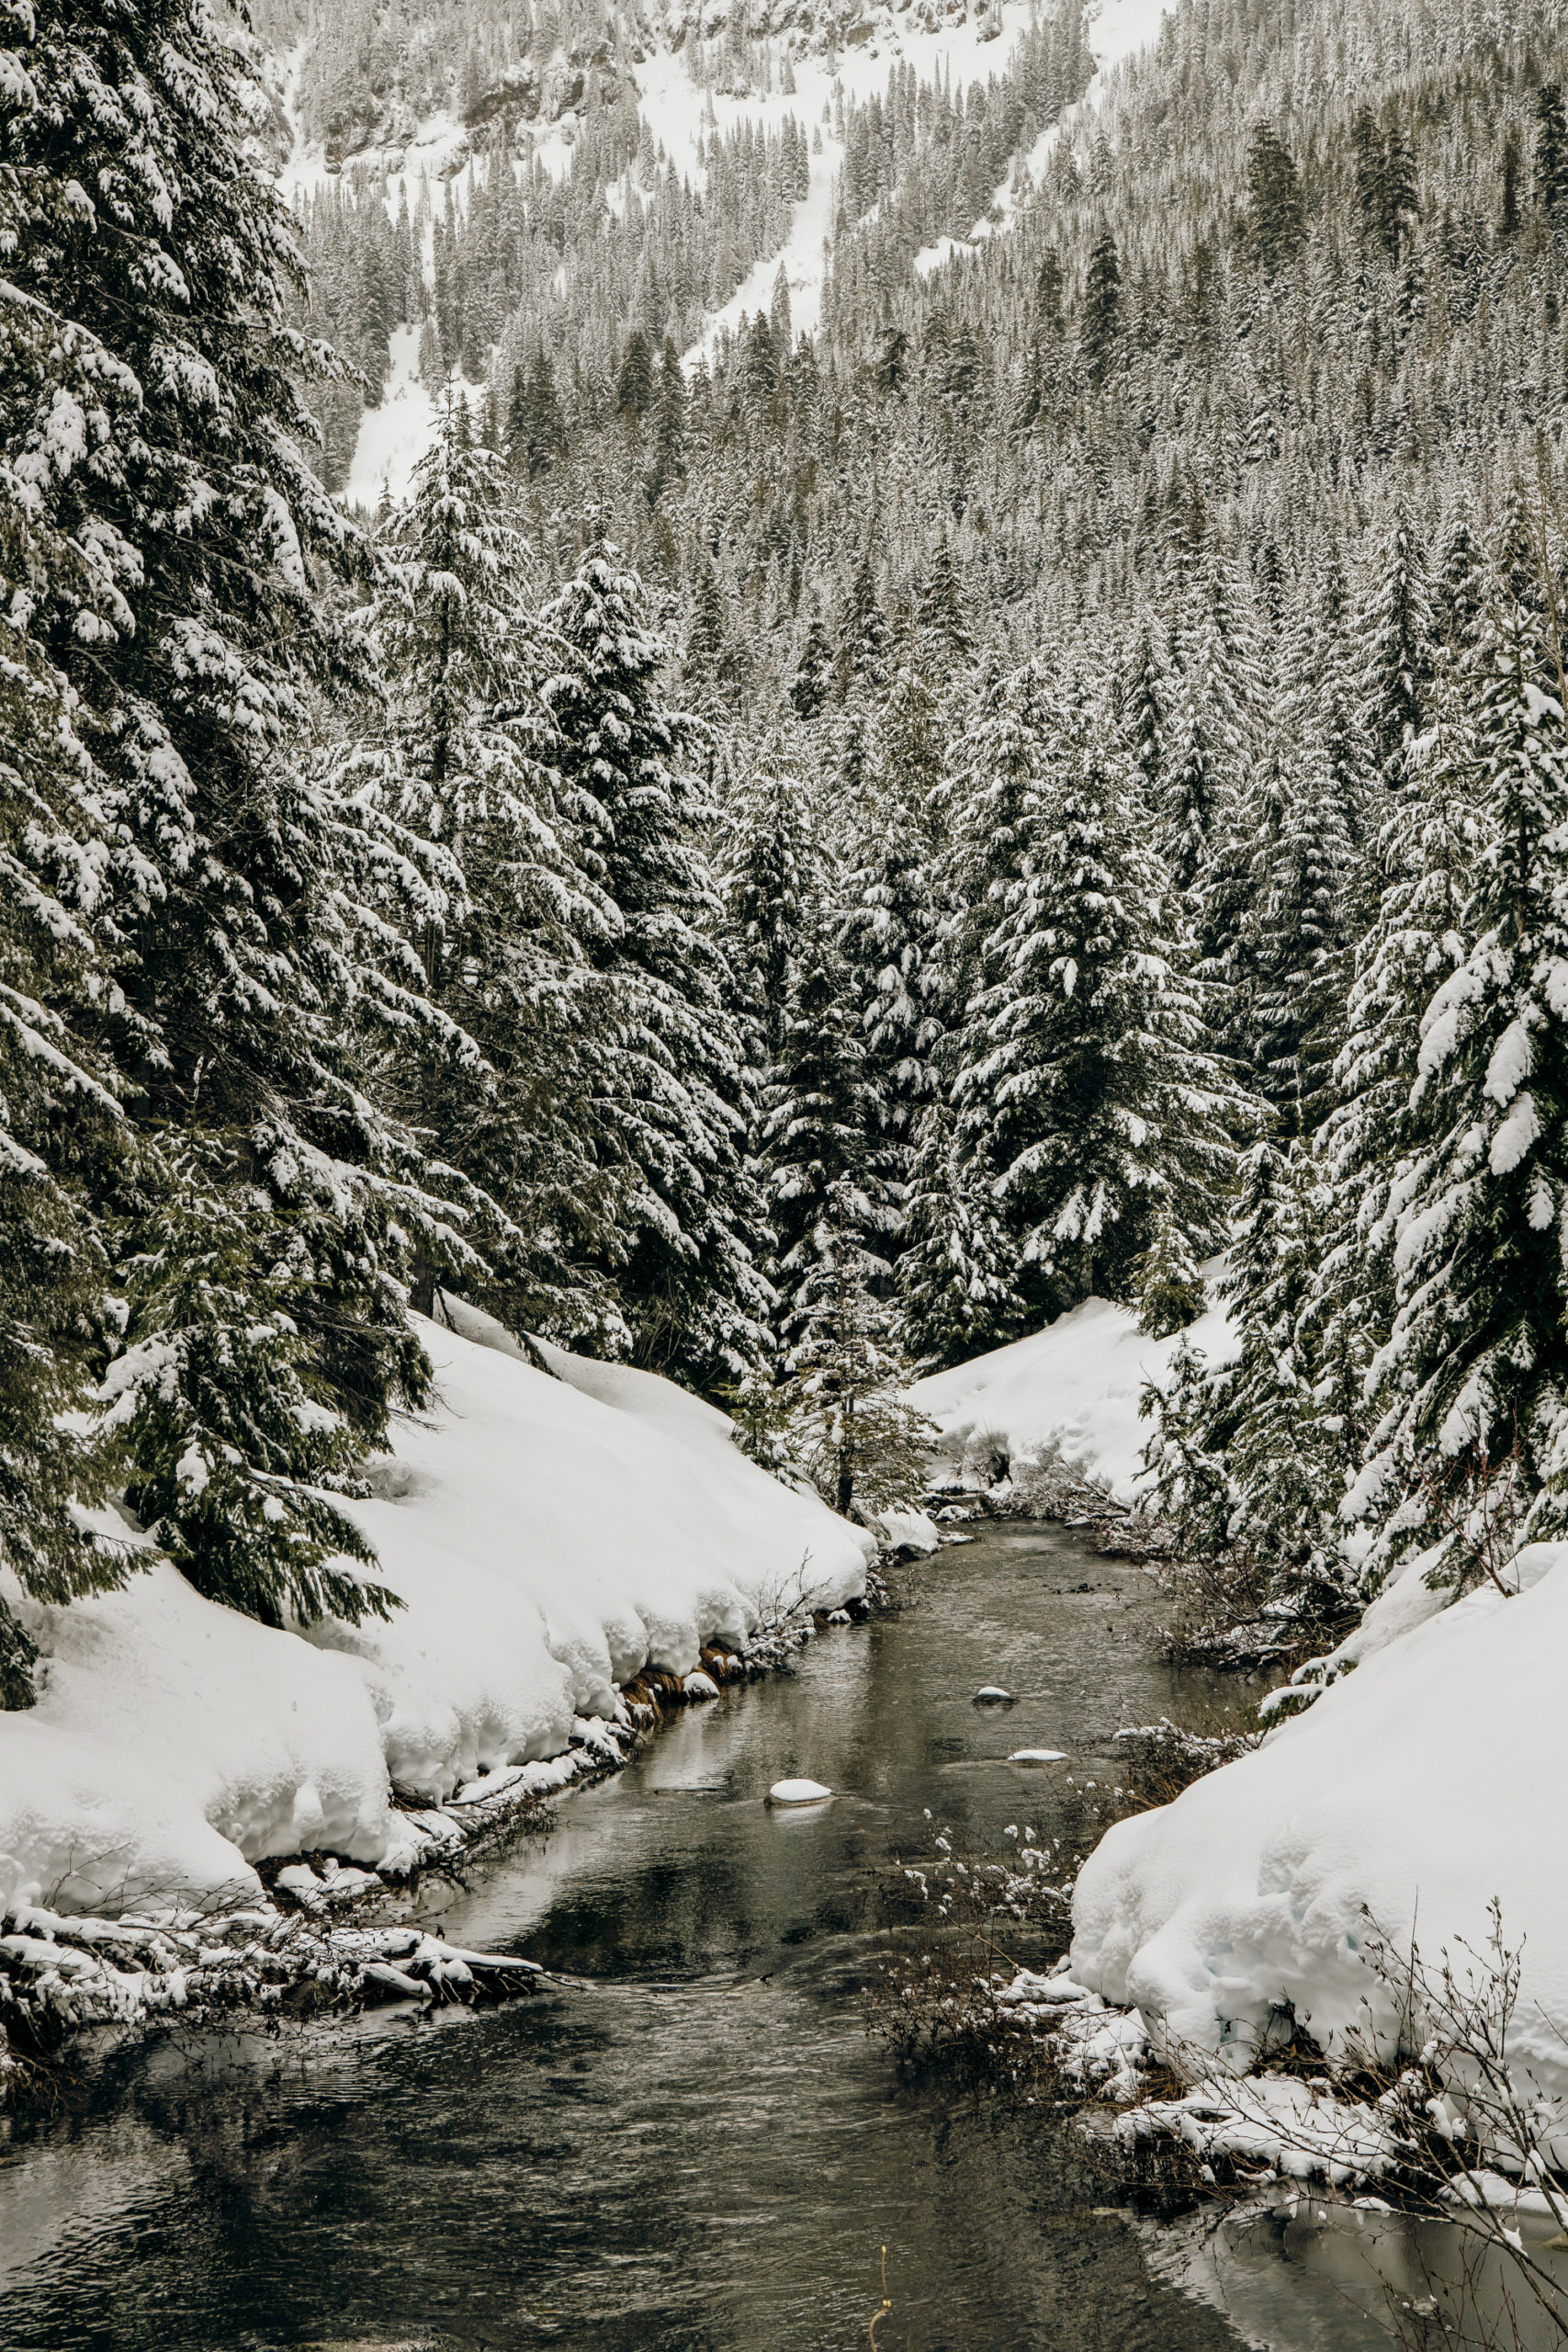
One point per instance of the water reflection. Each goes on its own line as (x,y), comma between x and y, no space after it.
(694,2148)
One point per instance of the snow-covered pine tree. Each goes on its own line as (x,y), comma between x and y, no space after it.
(823,1118)
(892,917)
(1146,722)
(256,1229)
(1472,1440)
(1305,866)
(964,1290)
(956,1290)
(689,1218)
(771,885)
(1203,759)
(850,1426)
(1105,1115)
(60,1117)
(1247,1463)
(460,758)
(1396,629)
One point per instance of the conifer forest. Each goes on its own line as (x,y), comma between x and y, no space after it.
(724,727)
(800,861)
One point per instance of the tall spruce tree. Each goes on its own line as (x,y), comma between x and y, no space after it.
(461,759)
(1103,1114)
(686,1249)
(1473,1437)
(255,1231)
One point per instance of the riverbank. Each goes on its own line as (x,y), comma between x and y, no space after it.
(576,1548)
(326,1939)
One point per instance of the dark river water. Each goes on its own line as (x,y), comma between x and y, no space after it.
(694,2147)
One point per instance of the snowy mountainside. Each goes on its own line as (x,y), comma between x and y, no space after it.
(547,1537)
(760,153)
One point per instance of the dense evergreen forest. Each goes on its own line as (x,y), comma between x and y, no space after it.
(803,861)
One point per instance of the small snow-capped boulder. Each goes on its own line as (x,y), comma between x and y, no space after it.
(797,1792)
(991,1694)
(1038,1755)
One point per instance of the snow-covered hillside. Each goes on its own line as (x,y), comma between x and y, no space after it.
(548,1536)
(1071,1391)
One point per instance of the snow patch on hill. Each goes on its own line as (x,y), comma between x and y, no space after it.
(1120,30)
(548,1536)
(1069,1392)
(672,104)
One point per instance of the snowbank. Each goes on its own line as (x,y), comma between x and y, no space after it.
(1415,1789)
(548,1536)
(1071,1390)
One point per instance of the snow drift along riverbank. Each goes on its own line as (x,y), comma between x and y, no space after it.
(1416,1791)
(548,1536)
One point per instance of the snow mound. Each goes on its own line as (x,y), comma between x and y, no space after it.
(549,1537)
(797,1792)
(1418,1789)
(1069,1392)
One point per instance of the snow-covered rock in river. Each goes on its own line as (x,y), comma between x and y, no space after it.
(1413,1793)
(549,1536)
(1068,1392)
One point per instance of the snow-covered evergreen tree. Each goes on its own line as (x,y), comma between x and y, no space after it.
(460,760)
(823,1121)
(255,1232)
(957,1272)
(1085,1063)
(852,1428)
(1472,1376)
(772,885)
(689,1237)
(61,1121)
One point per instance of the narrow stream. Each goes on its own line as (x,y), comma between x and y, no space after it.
(697,2149)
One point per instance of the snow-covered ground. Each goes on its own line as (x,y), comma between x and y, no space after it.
(549,1536)
(1415,1793)
(395,436)
(1070,1391)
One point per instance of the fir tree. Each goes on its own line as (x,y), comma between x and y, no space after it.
(1275,225)
(853,1430)
(823,1118)
(1104,1115)
(772,887)
(1101,333)
(634,385)
(462,760)
(1550,150)
(687,1276)
(957,1296)
(61,1119)
(1474,1372)
(1396,623)
(256,1234)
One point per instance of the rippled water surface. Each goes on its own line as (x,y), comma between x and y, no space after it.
(694,2147)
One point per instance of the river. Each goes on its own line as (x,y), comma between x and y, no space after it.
(694,2147)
